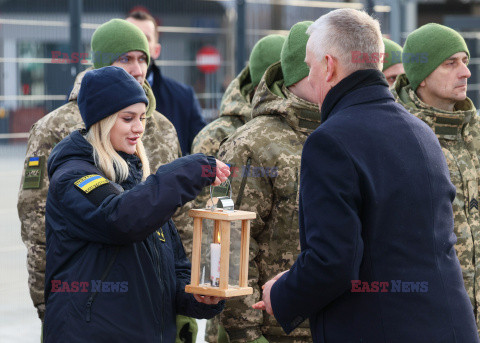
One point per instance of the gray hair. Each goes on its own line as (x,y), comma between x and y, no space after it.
(351,36)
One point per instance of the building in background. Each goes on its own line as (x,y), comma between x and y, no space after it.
(35,52)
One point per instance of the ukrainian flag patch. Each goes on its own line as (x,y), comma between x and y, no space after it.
(90,182)
(34,172)
(33,161)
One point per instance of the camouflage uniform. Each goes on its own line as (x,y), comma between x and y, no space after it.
(458,134)
(235,110)
(161,144)
(265,155)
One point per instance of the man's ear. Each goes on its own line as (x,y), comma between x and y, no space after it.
(156,51)
(331,65)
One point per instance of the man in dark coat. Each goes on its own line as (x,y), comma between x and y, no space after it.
(175,100)
(376,227)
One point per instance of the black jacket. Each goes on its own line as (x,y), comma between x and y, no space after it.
(120,242)
(375,207)
(178,103)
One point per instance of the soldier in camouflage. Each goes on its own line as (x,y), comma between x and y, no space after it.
(235,110)
(265,162)
(434,89)
(160,141)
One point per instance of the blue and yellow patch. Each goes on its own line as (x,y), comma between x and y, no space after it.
(33,161)
(160,234)
(34,170)
(90,182)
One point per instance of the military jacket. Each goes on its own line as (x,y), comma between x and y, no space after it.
(458,134)
(161,145)
(235,110)
(265,157)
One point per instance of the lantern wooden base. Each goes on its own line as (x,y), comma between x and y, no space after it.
(222,224)
(207,289)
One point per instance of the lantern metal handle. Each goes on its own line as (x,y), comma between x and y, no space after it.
(228,202)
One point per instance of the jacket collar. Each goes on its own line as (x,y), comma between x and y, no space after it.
(445,124)
(273,98)
(357,82)
(76,85)
(135,170)
(237,99)
(155,70)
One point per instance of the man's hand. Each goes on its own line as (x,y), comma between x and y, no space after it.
(206,299)
(222,171)
(265,304)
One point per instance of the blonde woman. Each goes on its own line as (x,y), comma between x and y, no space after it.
(116,268)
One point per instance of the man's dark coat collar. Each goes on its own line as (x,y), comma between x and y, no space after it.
(357,82)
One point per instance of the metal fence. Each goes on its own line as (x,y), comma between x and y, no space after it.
(35,49)
(35,45)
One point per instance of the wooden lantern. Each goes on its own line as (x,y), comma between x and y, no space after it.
(222,220)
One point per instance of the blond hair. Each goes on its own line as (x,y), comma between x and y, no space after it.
(106,158)
(342,32)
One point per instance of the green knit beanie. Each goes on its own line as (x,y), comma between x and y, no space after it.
(427,47)
(264,53)
(292,58)
(393,53)
(115,38)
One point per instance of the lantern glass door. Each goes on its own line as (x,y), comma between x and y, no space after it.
(221,242)
(211,252)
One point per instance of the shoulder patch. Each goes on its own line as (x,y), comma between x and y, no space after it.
(96,188)
(90,182)
(34,172)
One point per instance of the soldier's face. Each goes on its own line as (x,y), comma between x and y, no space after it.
(447,84)
(128,128)
(134,63)
(392,72)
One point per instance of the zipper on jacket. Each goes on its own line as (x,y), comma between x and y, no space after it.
(104,276)
(243,183)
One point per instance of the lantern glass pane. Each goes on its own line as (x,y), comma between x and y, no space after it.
(209,267)
(235,244)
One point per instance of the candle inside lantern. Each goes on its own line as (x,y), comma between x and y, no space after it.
(215,249)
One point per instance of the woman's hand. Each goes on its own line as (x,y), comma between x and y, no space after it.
(222,171)
(206,299)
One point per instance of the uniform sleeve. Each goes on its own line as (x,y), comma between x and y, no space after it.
(254,194)
(204,141)
(31,211)
(132,215)
(330,233)
(466,190)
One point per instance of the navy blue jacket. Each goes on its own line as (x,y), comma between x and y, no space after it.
(375,206)
(178,103)
(121,244)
